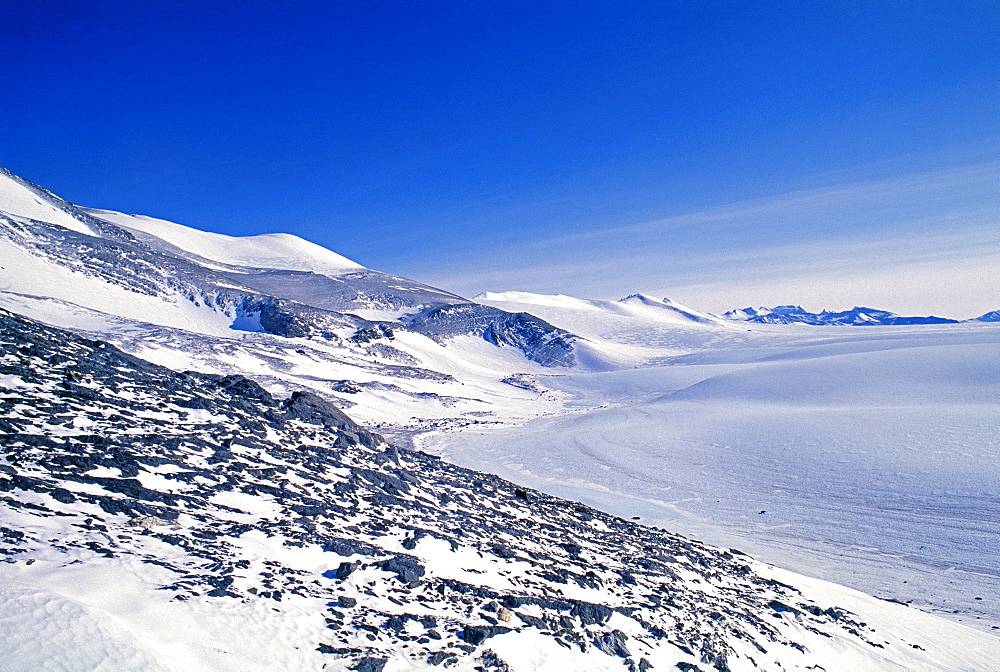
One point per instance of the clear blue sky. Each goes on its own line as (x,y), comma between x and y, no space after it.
(580,147)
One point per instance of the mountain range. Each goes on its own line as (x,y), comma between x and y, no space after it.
(183,490)
(857,316)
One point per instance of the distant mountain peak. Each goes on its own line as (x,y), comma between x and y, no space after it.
(857,316)
(669,305)
(642,298)
(992,316)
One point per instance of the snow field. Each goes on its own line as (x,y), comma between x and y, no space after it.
(867,457)
(270,250)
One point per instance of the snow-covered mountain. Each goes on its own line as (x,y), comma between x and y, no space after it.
(166,274)
(635,306)
(155,520)
(857,316)
(992,316)
(246,523)
(293,314)
(634,331)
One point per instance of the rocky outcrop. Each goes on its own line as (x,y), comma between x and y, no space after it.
(537,339)
(115,463)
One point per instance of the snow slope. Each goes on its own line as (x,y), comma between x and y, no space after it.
(24,199)
(593,316)
(618,334)
(868,458)
(271,250)
(154,520)
(31,275)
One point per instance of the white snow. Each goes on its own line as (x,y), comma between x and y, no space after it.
(533,652)
(257,506)
(40,282)
(105,472)
(864,455)
(12,382)
(270,250)
(943,645)
(106,616)
(155,481)
(20,200)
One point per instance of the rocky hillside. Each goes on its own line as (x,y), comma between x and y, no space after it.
(152,271)
(153,520)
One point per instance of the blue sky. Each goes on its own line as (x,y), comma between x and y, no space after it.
(721,153)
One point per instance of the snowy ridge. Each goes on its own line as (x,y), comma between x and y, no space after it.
(857,316)
(272,250)
(633,331)
(671,307)
(27,200)
(634,305)
(241,532)
(154,271)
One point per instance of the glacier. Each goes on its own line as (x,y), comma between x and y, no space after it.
(862,455)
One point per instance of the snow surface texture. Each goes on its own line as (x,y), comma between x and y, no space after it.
(689,420)
(865,456)
(155,520)
(157,272)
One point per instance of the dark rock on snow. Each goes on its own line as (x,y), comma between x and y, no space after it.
(220,436)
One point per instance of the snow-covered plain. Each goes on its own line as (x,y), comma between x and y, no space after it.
(266,535)
(861,455)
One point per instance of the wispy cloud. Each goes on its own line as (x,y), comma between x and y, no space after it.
(949,274)
(919,243)
(886,205)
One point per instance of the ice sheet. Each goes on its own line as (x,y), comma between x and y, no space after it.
(868,457)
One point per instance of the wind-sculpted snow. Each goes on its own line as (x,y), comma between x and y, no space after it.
(189,521)
(365,291)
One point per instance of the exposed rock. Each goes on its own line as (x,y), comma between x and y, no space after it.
(406,568)
(218,443)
